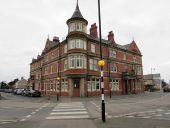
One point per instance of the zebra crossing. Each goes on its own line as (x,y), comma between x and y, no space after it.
(72,110)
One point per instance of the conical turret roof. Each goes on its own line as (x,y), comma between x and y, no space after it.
(77,15)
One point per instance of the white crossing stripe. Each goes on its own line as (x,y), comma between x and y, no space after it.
(73,110)
(70,109)
(67,113)
(68,117)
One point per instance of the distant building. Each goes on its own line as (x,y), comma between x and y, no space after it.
(21,83)
(152,80)
(71,67)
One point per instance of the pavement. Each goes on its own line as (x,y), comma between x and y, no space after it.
(133,123)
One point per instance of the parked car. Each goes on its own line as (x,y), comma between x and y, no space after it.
(0,96)
(166,89)
(8,90)
(25,92)
(19,91)
(1,90)
(35,93)
(15,91)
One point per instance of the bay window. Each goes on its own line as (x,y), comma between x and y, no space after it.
(77,61)
(77,26)
(77,43)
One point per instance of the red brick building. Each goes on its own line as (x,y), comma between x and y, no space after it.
(70,67)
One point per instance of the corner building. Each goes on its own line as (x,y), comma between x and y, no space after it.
(70,68)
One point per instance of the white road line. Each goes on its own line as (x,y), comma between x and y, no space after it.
(59,107)
(23,120)
(4,122)
(63,110)
(158,115)
(146,117)
(33,113)
(37,110)
(68,117)
(68,113)
(167,113)
(159,110)
(8,120)
(28,116)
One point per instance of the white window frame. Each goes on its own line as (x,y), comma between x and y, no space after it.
(64,85)
(65,48)
(113,67)
(93,50)
(92,84)
(112,53)
(65,64)
(77,43)
(114,83)
(77,61)
(72,27)
(93,64)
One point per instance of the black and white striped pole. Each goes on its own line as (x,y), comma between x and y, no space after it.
(101,63)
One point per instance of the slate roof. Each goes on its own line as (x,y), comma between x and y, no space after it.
(77,13)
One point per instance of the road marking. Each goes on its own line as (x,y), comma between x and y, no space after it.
(23,120)
(72,109)
(146,117)
(65,113)
(69,117)
(61,107)
(167,113)
(33,113)
(28,116)
(158,115)
(99,108)
(159,110)
(8,120)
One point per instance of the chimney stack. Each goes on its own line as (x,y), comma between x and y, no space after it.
(56,39)
(93,30)
(111,36)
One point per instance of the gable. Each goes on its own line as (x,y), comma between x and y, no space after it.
(134,48)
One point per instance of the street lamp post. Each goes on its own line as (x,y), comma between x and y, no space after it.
(101,63)
(57,88)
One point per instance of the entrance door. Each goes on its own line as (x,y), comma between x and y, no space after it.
(76,87)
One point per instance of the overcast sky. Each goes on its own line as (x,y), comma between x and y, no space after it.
(25,25)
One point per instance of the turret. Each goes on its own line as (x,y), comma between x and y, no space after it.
(77,22)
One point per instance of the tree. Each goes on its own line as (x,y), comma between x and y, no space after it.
(3,85)
(164,84)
